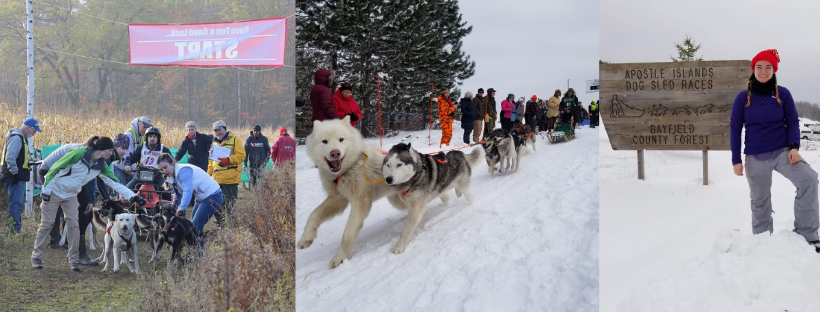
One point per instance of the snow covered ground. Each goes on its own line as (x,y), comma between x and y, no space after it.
(669,243)
(529,241)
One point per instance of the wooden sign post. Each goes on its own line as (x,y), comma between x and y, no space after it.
(670,106)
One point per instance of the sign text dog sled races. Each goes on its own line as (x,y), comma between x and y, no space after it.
(670,106)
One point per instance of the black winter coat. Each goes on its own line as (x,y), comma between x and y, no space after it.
(197,153)
(468,113)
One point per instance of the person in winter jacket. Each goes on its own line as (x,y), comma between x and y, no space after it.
(542,115)
(578,114)
(192,184)
(197,145)
(468,113)
(227,171)
(507,107)
(768,114)
(16,169)
(446,111)
(346,105)
(531,113)
(64,181)
(321,100)
(491,114)
(480,103)
(569,100)
(86,198)
(593,114)
(136,136)
(517,113)
(145,157)
(284,149)
(553,110)
(257,151)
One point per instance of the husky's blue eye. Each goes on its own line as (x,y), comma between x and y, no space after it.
(399,165)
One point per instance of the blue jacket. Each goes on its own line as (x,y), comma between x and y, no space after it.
(468,113)
(769,126)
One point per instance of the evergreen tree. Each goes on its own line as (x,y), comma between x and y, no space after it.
(687,51)
(409,44)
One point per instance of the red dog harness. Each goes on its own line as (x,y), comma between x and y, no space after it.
(127,240)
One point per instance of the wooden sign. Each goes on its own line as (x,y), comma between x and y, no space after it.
(670,106)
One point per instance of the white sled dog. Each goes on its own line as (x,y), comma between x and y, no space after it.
(347,167)
(421,178)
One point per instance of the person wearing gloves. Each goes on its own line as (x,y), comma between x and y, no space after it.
(480,103)
(345,104)
(227,171)
(257,151)
(145,157)
(16,170)
(507,107)
(64,181)
(491,115)
(191,183)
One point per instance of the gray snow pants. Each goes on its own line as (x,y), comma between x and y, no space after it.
(806,212)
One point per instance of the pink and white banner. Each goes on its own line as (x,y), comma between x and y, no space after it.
(248,43)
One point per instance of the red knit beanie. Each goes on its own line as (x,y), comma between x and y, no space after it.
(767,55)
(282,130)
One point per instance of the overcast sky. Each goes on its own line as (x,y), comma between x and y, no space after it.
(646,31)
(531,47)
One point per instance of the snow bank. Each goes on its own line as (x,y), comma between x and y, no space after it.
(779,272)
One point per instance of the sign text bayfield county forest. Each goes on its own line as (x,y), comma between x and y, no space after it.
(670,106)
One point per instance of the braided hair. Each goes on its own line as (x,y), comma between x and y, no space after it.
(749,91)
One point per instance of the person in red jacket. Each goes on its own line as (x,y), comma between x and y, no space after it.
(345,104)
(320,97)
(284,149)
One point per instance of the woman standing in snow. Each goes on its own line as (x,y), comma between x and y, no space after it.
(772,143)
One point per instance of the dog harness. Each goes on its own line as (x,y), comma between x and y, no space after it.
(363,175)
(127,240)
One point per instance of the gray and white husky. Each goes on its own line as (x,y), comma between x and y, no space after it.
(490,154)
(510,148)
(421,178)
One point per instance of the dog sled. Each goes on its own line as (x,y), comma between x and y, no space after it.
(562,133)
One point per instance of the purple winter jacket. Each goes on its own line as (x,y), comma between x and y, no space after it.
(769,126)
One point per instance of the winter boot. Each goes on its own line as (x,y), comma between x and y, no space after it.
(84,259)
(816,245)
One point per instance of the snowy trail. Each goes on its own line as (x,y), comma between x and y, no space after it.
(659,237)
(529,241)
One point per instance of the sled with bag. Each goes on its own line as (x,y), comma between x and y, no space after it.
(562,132)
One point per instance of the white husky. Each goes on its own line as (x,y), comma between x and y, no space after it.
(346,164)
